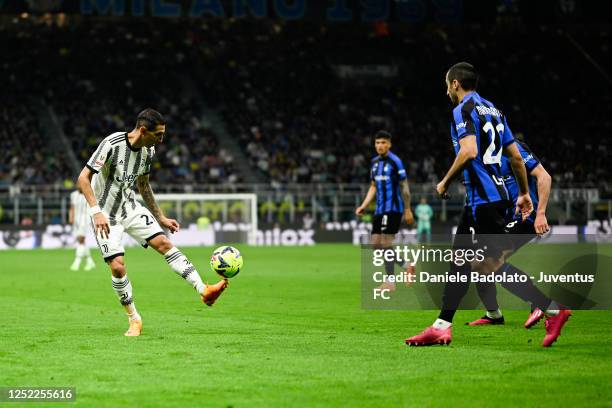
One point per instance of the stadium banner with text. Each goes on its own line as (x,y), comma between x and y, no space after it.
(574,272)
(61,236)
(357,233)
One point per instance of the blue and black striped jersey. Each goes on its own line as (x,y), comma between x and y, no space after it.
(531,162)
(482,176)
(387,172)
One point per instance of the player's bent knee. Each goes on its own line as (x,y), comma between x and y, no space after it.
(161,244)
(387,239)
(376,240)
(117,267)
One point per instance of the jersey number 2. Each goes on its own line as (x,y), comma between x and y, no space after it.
(147,220)
(491,156)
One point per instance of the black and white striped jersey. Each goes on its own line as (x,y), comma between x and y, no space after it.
(117,165)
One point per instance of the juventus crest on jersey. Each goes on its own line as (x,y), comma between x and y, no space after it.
(117,165)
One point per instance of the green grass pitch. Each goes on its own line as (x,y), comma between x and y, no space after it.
(289,331)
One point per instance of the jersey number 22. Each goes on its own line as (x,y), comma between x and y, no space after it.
(491,156)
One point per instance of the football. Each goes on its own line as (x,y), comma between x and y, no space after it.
(226,261)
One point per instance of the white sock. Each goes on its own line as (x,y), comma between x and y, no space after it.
(181,265)
(123,288)
(496,314)
(80,251)
(553,309)
(87,253)
(441,324)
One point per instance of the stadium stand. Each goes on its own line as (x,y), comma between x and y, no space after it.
(301,98)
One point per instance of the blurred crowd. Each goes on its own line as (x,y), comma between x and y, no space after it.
(300,120)
(24,153)
(301,98)
(96,76)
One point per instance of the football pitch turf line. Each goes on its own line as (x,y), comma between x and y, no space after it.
(289,331)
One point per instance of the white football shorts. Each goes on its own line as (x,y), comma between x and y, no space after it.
(139,224)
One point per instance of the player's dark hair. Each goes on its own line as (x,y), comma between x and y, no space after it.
(465,74)
(382,134)
(149,118)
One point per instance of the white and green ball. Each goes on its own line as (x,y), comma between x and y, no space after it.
(226,261)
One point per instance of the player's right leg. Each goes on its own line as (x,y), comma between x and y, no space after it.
(123,288)
(113,253)
(381,241)
(441,330)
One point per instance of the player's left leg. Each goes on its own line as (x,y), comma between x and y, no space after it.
(142,226)
(556,315)
(184,268)
(441,330)
(78,255)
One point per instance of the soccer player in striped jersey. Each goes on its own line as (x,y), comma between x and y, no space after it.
(480,135)
(122,159)
(79,220)
(536,224)
(389,185)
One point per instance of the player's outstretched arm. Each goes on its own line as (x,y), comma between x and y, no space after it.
(523,203)
(367,200)
(101,224)
(145,190)
(468,150)
(544,183)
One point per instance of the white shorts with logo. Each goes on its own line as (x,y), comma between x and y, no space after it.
(139,224)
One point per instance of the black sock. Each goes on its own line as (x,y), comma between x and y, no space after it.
(454,293)
(487,291)
(390,268)
(525,290)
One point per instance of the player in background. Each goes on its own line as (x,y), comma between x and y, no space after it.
(536,224)
(120,160)
(481,135)
(389,186)
(424,214)
(78,218)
